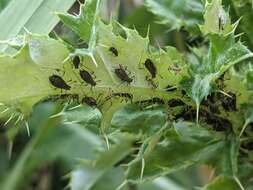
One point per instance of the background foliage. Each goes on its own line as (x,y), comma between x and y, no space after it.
(186,126)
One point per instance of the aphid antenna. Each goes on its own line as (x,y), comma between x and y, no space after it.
(47,67)
(10,148)
(121,185)
(27,128)
(244,127)
(224,93)
(10,118)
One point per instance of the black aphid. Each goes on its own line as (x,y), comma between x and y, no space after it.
(124,95)
(114,51)
(58,82)
(150,67)
(87,77)
(175,102)
(76,62)
(154,100)
(229,103)
(122,74)
(219,123)
(183,92)
(89,101)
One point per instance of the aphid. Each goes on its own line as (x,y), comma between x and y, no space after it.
(150,67)
(86,76)
(175,102)
(170,88)
(229,103)
(174,68)
(58,82)
(214,108)
(183,92)
(219,123)
(62,97)
(114,51)
(154,100)
(122,74)
(89,101)
(124,95)
(76,62)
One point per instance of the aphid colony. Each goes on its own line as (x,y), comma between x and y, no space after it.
(210,113)
(89,78)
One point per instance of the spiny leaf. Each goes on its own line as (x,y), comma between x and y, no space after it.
(82,23)
(217,20)
(224,52)
(222,183)
(135,120)
(177,14)
(50,135)
(88,173)
(27,73)
(176,148)
(38,18)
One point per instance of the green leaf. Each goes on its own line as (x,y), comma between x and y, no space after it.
(178,148)
(89,172)
(161,183)
(40,11)
(23,72)
(243,9)
(222,183)
(44,54)
(217,20)
(82,23)
(223,53)
(177,14)
(51,141)
(135,120)
(111,180)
